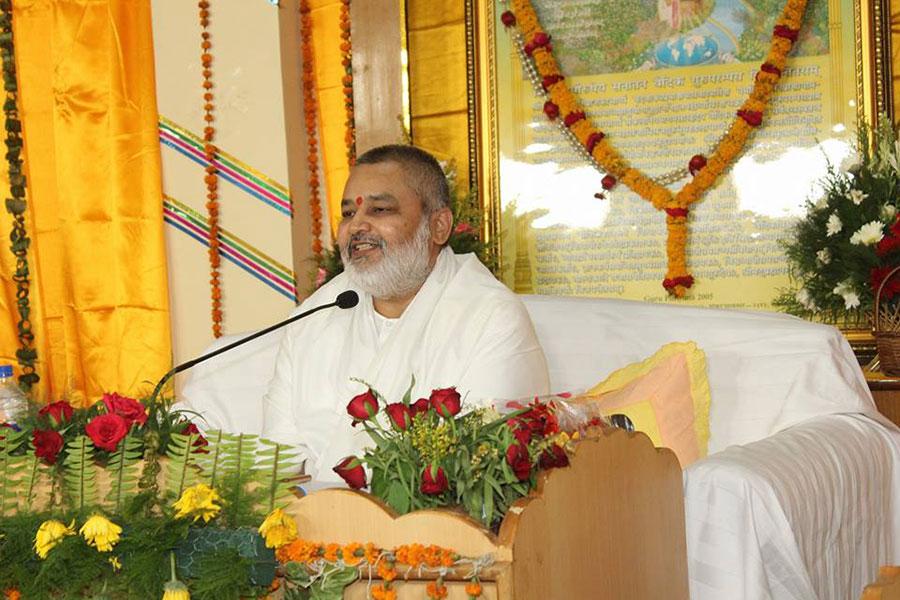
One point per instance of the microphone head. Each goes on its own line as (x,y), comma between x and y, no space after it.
(347,299)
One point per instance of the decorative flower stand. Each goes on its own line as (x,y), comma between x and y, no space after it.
(609,526)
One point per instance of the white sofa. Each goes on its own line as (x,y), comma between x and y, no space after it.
(800,496)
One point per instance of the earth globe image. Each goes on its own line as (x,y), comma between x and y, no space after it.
(687,50)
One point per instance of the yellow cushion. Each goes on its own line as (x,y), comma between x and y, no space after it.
(666,396)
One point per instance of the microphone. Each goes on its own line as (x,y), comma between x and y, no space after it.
(346,299)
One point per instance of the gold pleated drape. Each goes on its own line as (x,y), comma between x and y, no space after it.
(437,81)
(326,36)
(99,287)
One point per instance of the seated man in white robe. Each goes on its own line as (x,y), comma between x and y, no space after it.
(424,312)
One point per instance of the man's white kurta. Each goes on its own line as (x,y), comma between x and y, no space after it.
(462,329)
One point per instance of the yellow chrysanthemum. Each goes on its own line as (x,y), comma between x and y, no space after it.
(101,533)
(175,590)
(49,534)
(198,501)
(278,529)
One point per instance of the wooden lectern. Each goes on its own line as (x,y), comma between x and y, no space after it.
(611,525)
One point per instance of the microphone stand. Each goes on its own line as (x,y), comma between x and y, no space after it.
(346,299)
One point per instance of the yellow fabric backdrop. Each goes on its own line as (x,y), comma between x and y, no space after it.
(437,81)
(99,285)
(330,91)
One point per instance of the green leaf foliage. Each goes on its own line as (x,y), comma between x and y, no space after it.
(80,474)
(124,469)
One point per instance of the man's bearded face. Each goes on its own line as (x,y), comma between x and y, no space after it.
(384,236)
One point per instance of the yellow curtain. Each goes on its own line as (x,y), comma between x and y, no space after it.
(99,287)
(437,81)
(330,91)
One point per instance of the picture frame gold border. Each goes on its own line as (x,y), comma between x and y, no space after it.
(874,93)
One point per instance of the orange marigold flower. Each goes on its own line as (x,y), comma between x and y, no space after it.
(386,571)
(436,589)
(12,594)
(352,553)
(473,588)
(331,552)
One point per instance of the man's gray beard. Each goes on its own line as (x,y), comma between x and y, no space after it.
(400,272)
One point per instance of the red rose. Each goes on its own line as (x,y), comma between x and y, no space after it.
(400,415)
(573,117)
(445,402)
(752,117)
(593,140)
(419,407)
(540,420)
(554,457)
(508,19)
(608,182)
(47,444)
(59,412)
(551,110)
(518,459)
(540,39)
(697,162)
(520,431)
(891,288)
(434,481)
(888,244)
(351,470)
(363,407)
(550,80)
(106,431)
(128,408)
(200,442)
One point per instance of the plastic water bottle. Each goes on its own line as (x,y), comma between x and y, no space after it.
(13,403)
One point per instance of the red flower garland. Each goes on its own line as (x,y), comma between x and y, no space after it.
(212,178)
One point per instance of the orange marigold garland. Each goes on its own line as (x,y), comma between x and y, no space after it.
(212,173)
(385,563)
(311,114)
(535,49)
(347,82)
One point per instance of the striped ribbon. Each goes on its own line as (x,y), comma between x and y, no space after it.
(263,267)
(232,170)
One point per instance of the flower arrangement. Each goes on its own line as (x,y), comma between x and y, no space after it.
(842,250)
(127,500)
(428,454)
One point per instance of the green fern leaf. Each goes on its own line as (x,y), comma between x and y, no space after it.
(124,471)
(80,473)
(181,471)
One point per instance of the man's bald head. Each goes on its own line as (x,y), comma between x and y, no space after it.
(422,172)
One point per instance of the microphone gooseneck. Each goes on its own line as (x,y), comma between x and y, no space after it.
(346,299)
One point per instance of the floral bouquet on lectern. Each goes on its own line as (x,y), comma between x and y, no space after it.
(427,453)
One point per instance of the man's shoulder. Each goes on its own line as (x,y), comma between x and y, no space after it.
(475,286)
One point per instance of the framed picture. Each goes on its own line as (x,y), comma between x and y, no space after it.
(663,79)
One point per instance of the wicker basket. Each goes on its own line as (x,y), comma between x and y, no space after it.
(886,324)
